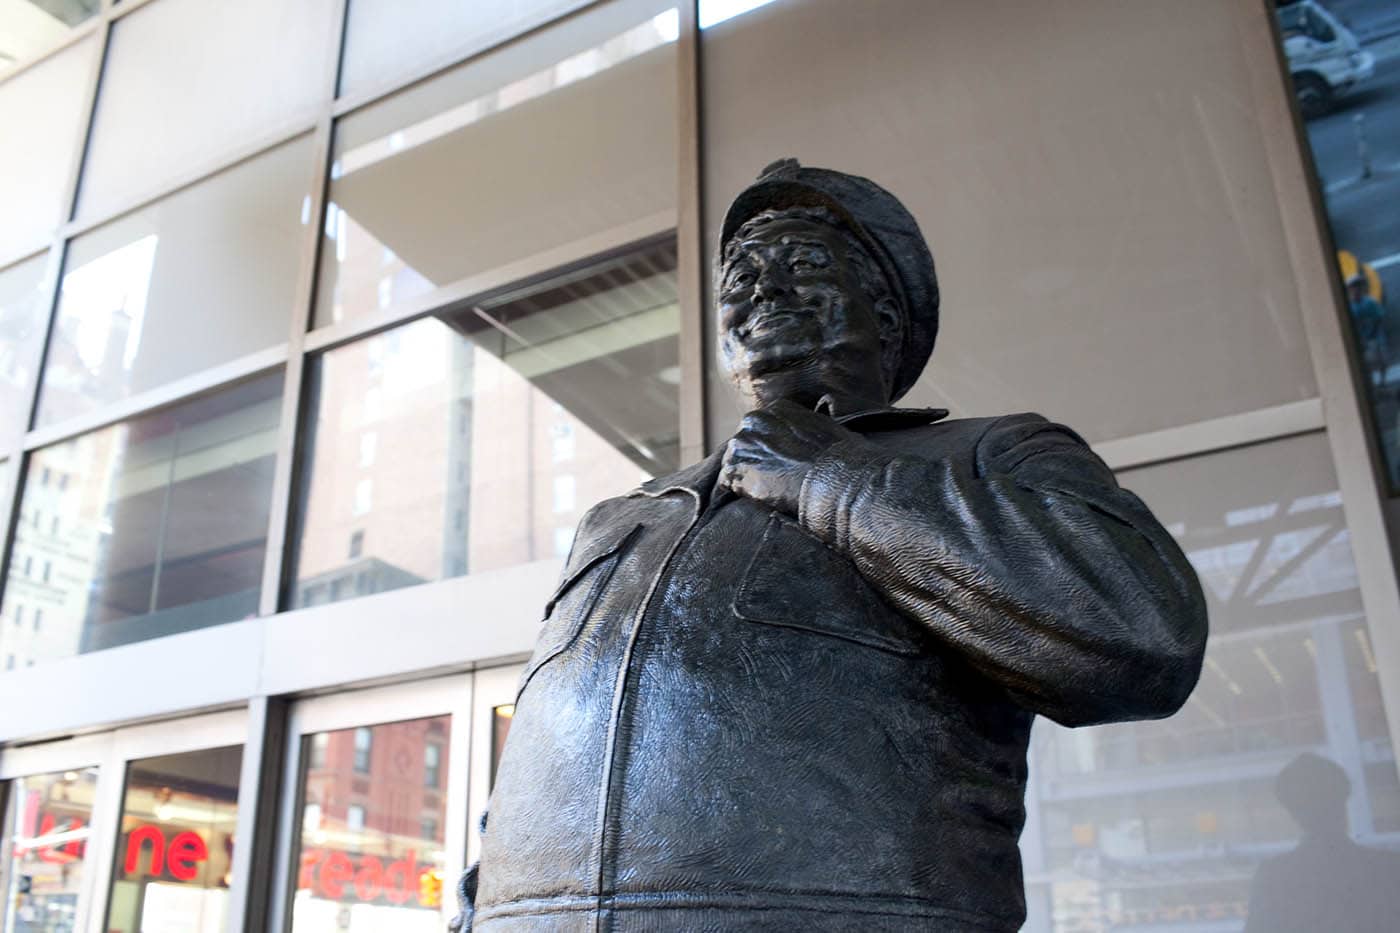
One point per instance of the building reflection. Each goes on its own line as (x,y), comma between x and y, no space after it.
(475,440)
(372,828)
(1165,825)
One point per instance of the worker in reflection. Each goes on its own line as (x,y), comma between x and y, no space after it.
(1368,317)
(1328,882)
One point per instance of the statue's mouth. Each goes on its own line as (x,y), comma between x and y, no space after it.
(760,323)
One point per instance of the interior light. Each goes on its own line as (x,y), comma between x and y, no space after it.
(163,809)
(1268,663)
(1211,714)
(1365,644)
(1219,671)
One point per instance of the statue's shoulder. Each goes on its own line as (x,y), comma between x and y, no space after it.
(981,440)
(950,437)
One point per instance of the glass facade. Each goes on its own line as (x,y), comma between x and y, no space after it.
(45,834)
(475,439)
(46,100)
(28,28)
(1187,821)
(1113,265)
(175,858)
(22,316)
(386,39)
(1349,93)
(189,282)
(303,304)
(148,130)
(371,843)
(448,178)
(147,528)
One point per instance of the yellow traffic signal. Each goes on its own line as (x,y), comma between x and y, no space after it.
(430,888)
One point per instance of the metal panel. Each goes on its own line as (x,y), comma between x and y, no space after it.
(46,757)
(209,668)
(452,624)
(257,813)
(186,387)
(1215,434)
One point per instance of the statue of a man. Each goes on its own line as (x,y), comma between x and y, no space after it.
(791,686)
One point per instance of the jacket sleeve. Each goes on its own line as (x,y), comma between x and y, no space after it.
(1034,565)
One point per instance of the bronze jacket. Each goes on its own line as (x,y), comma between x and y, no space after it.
(738,719)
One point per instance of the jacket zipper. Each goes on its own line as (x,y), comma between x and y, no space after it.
(619,689)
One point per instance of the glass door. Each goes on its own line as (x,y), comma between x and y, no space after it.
(373,826)
(48,794)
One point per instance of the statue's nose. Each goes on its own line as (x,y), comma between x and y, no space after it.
(771,284)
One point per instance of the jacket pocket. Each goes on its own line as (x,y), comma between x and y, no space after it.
(576,595)
(797,582)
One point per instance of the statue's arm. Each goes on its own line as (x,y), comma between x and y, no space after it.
(1035,565)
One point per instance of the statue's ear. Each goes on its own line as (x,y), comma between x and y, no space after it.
(891,321)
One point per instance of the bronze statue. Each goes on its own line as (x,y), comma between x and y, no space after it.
(791,686)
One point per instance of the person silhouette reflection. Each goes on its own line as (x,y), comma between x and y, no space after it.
(1327,882)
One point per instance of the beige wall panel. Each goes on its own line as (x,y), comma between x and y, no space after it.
(1091,178)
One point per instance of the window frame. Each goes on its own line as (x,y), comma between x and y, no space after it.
(491,688)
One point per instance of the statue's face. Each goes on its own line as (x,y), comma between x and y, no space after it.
(795,324)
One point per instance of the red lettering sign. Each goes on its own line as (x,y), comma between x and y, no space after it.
(37,824)
(336,876)
(186,851)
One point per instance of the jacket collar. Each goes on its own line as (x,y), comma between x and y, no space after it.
(699,478)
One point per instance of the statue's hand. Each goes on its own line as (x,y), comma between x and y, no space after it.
(770,456)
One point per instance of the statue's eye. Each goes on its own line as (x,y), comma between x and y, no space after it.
(803,266)
(741,279)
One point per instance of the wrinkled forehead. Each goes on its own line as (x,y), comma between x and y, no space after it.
(764,236)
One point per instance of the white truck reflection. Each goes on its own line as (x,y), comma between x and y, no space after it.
(1324,56)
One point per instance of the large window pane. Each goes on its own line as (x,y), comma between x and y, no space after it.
(45,839)
(1348,90)
(372,838)
(22,318)
(196,279)
(31,27)
(557,137)
(187,81)
(146,528)
(1194,822)
(43,117)
(175,855)
(476,439)
(1091,177)
(385,38)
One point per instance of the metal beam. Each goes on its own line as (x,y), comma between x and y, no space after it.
(259,783)
(690,233)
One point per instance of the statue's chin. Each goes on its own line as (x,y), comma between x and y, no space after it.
(797,380)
